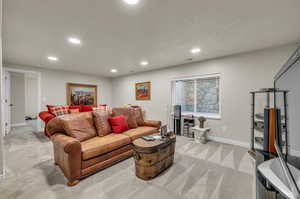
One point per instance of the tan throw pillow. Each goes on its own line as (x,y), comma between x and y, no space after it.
(79,126)
(74,111)
(101,122)
(55,126)
(139,116)
(129,116)
(103,107)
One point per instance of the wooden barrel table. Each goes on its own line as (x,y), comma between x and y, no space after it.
(153,157)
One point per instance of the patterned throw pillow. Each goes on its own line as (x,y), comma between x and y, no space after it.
(139,116)
(139,113)
(59,110)
(103,108)
(101,122)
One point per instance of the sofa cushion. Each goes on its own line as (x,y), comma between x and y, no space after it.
(79,126)
(118,124)
(129,116)
(140,131)
(106,157)
(102,123)
(101,145)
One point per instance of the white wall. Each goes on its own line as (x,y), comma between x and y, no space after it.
(17,98)
(53,85)
(290,81)
(31,94)
(240,74)
(1,106)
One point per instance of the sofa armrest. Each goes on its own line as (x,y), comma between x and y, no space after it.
(46,116)
(67,155)
(153,123)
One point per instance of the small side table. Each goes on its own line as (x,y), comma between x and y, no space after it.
(200,134)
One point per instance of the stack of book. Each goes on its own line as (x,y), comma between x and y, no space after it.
(265,125)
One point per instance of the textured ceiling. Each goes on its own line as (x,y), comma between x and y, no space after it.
(116,35)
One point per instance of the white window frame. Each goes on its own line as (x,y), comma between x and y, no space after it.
(195,78)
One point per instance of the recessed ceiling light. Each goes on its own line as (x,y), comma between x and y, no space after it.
(144,63)
(114,70)
(195,50)
(52,58)
(74,40)
(131,2)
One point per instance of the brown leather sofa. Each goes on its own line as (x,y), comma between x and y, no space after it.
(83,142)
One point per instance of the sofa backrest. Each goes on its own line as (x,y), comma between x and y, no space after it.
(82,108)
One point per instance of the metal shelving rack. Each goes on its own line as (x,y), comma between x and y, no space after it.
(268,92)
(263,188)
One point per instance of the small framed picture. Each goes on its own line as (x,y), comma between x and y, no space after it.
(143,91)
(164,131)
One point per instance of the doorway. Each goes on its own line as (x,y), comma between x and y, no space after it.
(22,99)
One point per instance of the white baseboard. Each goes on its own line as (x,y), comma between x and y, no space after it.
(229,141)
(19,124)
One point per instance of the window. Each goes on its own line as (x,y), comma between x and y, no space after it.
(199,95)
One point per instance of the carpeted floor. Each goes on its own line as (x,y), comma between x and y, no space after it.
(211,171)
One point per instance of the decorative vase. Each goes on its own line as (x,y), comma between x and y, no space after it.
(201,121)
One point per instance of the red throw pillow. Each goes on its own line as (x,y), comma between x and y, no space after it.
(118,124)
(49,107)
(87,108)
(75,107)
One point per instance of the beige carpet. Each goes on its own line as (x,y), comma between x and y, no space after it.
(211,171)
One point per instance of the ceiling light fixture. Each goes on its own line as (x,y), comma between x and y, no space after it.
(195,50)
(144,63)
(131,2)
(114,70)
(74,40)
(52,58)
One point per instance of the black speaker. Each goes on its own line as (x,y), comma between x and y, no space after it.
(177,119)
(279,128)
(177,111)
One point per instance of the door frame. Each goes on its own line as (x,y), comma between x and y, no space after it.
(7,112)
(39,93)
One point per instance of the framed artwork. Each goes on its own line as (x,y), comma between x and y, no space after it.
(143,91)
(81,94)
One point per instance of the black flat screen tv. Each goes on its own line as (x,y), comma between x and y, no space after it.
(288,132)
